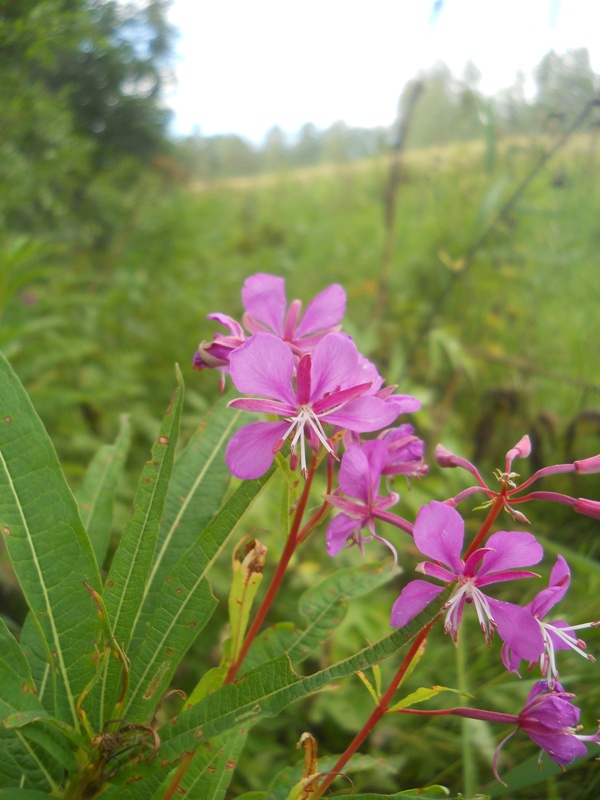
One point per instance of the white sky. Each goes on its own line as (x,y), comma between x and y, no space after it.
(246,65)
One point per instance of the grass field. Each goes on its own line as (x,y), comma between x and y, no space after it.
(498,339)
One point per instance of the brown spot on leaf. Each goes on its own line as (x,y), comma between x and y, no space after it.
(192,624)
(29,688)
(199,733)
(110,584)
(6,530)
(147,480)
(134,779)
(168,580)
(169,651)
(179,590)
(211,769)
(164,763)
(163,440)
(7,419)
(230,765)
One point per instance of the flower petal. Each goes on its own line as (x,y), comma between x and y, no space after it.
(334,365)
(249,452)
(413,599)
(362,415)
(560,578)
(510,549)
(339,530)
(264,366)
(518,629)
(263,297)
(323,312)
(439,533)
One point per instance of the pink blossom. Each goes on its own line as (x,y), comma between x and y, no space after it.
(324,389)
(359,478)
(265,302)
(439,533)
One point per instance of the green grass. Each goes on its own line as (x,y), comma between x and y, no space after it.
(512,349)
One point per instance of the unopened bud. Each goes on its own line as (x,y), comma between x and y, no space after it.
(588,465)
(590,508)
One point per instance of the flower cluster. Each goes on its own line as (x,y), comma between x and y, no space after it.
(321,395)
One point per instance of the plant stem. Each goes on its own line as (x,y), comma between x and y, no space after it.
(489,521)
(288,552)
(377,714)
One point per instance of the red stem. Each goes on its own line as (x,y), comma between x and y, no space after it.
(288,552)
(377,714)
(489,521)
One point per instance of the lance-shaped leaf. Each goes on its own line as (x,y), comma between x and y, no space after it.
(210,770)
(34,757)
(264,692)
(97,492)
(47,544)
(131,565)
(198,486)
(186,604)
(324,607)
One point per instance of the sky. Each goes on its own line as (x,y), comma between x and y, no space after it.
(243,66)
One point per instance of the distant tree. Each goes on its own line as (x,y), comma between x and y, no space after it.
(565,82)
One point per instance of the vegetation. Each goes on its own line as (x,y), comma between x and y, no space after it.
(472,282)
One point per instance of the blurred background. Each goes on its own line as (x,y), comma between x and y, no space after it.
(439,159)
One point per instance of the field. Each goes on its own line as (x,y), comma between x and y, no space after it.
(473,282)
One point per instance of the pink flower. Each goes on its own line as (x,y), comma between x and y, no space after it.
(266,310)
(551,720)
(359,478)
(216,353)
(439,533)
(551,636)
(325,390)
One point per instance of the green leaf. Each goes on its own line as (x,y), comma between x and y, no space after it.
(266,690)
(420,695)
(186,604)
(211,769)
(97,492)
(430,793)
(47,544)
(324,606)
(36,757)
(247,577)
(198,486)
(131,565)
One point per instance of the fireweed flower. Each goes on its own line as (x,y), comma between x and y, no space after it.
(359,478)
(548,717)
(265,302)
(404,454)
(510,492)
(264,366)
(439,532)
(551,636)
(551,720)
(216,354)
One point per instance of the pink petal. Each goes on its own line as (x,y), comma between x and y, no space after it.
(263,297)
(249,452)
(439,533)
(362,415)
(354,477)
(334,365)
(264,366)
(413,599)
(228,322)
(339,530)
(518,629)
(510,549)
(323,312)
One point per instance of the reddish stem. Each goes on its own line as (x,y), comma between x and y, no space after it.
(377,714)
(288,552)
(489,521)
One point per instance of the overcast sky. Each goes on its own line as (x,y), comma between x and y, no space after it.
(246,65)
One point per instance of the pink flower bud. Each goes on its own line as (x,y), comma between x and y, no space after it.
(589,507)
(445,458)
(521,450)
(588,465)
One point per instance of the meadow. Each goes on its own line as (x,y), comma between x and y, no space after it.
(479,298)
